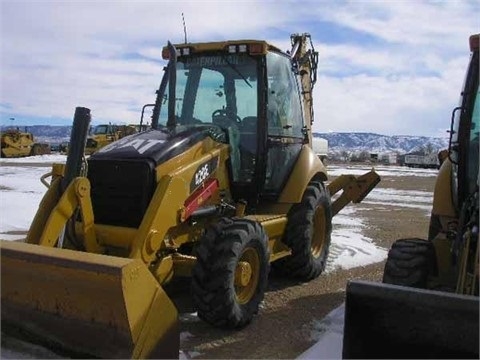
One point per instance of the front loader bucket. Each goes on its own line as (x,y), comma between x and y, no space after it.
(384,321)
(85,303)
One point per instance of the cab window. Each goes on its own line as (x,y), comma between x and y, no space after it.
(284,111)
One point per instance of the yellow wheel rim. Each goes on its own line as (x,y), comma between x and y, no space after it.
(246,275)
(318,238)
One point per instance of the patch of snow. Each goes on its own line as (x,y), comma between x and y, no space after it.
(185,335)
(427,208)
(48,159)
(399,196)
(188,354)
(328,333)
(189,317)
(335,170)
(20,195)
(349,248)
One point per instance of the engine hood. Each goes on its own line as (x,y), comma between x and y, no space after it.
(157,145)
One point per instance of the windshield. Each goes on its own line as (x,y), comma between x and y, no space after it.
(100,129)
(213,88)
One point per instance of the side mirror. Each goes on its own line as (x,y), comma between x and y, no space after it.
(143,112)
(453,140)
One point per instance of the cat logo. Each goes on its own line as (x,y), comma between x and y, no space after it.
(141,145)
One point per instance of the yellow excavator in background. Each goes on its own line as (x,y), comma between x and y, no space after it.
(224,184)
(428,303)
(16,143)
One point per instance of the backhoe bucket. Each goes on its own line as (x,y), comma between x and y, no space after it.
(86,304)
(354,189)
(384,321)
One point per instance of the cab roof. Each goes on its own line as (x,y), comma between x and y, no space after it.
(253,47)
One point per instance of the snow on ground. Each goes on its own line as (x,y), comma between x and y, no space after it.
(349,248)
(329,332)
(21,192)
(382,170)
(45,159)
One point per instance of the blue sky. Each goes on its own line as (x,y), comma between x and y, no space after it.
(388,67)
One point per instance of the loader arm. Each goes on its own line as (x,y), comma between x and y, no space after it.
(354,189)
(46,231)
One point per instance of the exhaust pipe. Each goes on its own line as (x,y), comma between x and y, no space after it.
(76,147)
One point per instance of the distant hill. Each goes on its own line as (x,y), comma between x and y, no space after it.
(401,144)
(337,142)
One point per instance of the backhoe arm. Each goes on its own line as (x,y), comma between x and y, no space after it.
(354,189)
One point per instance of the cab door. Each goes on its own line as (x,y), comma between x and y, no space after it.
(285,126)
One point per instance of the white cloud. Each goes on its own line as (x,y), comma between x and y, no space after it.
(441,24)
(106,56)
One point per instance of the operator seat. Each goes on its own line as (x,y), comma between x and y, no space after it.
(231,127)
(248,134)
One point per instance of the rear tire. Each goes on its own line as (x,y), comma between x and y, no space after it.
(231,272)
(308,234)
(409,263)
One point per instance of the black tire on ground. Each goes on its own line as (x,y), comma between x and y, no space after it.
(308,234)
(231,272)
(409,263)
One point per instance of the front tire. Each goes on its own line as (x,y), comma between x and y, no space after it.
(409,263)
(308,234)
(231,272)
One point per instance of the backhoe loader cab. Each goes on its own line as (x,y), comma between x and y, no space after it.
(223,185)
(249,90)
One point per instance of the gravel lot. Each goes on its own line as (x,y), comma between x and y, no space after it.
(284,327)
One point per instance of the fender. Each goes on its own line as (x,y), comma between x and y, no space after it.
(443,193)
(307,167)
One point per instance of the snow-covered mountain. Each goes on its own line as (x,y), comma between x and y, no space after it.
(401,144)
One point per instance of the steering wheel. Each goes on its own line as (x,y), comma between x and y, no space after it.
(223,113)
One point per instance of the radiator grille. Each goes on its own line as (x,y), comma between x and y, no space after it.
(121,190)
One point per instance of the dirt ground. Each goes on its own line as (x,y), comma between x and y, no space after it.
(283,327)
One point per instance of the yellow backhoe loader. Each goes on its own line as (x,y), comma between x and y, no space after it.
(16,143)
(428,304)
(224,184)
(104,134)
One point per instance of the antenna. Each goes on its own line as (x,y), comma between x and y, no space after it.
(184,28)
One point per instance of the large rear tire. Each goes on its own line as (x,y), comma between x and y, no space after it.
(308,234)
(231,273)
(409,263)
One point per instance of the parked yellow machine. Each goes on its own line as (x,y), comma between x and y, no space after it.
(224,184)
(16,143)
(104,134)
(428,303)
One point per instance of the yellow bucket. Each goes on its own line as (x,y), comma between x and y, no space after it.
(86,303)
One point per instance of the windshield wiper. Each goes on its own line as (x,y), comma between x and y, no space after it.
(236,70)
